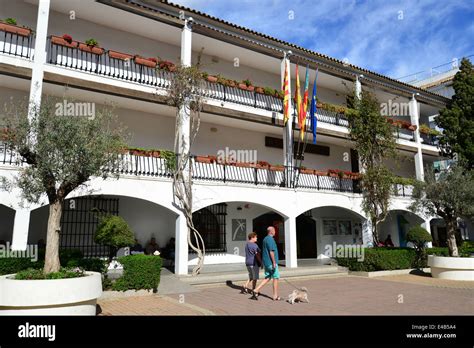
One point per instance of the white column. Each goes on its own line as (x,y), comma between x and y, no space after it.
(184,128)
(291,260)
(358,87)
(426,226)
(181,246)
(415,119)
(36,86)
(367,236)
(288,131)
(21,226)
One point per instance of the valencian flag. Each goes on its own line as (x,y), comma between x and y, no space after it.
(286,93)
(304,106)
(312,110)
(297,95)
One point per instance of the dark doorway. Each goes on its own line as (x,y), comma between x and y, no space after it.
(306,237)
(260,225)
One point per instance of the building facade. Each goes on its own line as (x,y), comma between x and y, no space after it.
(318,209)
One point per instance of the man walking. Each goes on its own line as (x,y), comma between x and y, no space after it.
(270,263)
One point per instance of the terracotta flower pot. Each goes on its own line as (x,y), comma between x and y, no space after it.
(307,171)
(145,62)
(243,164)
(243,86)
(91,49)
(57,40)
(156,154)
(277,168)
(250,88)
(412,127)
(320,173)
(203,159)
(259,90)
(211,78)
(119,55)
(10,28)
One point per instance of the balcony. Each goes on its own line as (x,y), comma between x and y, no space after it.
(236,173)
(16,45)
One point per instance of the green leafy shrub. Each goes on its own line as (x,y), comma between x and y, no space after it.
(92,42)
(381,259)
(10,265)
(37,274)
(437,251)
(114,232)
(418,236)
(11,21)
(92,265)
(139,272)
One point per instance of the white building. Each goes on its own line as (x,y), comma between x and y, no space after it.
(317,211)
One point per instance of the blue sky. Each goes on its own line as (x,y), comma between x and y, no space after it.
(392,37)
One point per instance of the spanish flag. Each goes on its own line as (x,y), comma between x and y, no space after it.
(304,106)
(286,93)
(297,95)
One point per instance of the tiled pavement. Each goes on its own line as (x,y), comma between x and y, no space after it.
(392,295)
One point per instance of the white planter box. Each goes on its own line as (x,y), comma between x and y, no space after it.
(454,268)
(73,296)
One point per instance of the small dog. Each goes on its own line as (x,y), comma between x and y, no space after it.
(298,295)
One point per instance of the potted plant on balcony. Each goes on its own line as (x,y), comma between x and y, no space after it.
(91,46)
(262,165)
(248,85)
(243,164)
(333,173)
(166,65)
(424,129)
(119,55)
(149,62)
(259,90)
(10,25)
(304,170)
(65,40)
(320,172)
(269,91)
(203,159)
(277,167)
(412,127)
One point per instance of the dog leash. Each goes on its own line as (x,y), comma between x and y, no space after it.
(286,280)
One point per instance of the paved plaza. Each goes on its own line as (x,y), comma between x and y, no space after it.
(342,295)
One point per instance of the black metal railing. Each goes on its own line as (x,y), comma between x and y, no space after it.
(128,70)
(429,139)
(8,157)
(402,190)
(239,173)
(405,134)
(16,45)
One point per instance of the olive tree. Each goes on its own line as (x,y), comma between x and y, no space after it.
(450,196)
(61,153)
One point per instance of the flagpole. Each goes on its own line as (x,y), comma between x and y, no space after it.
(288,131)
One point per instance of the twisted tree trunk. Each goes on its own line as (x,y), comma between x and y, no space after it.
(451,238)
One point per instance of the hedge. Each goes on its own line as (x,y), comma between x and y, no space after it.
(139,272)
(381,259)
(68,258)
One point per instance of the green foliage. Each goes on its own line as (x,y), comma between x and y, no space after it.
(374,140)
(92,265)
(450,196)
(170,159)
(10,265)
(11,21)
(186,85)
(114,232)
(457,119)
(92,42)
(139,272)
(403,181)
(37,274)
(419,237)
(381,259)
(69,150)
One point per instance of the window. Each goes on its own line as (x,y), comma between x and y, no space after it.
(211,223)
(345,227)
(329,227)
